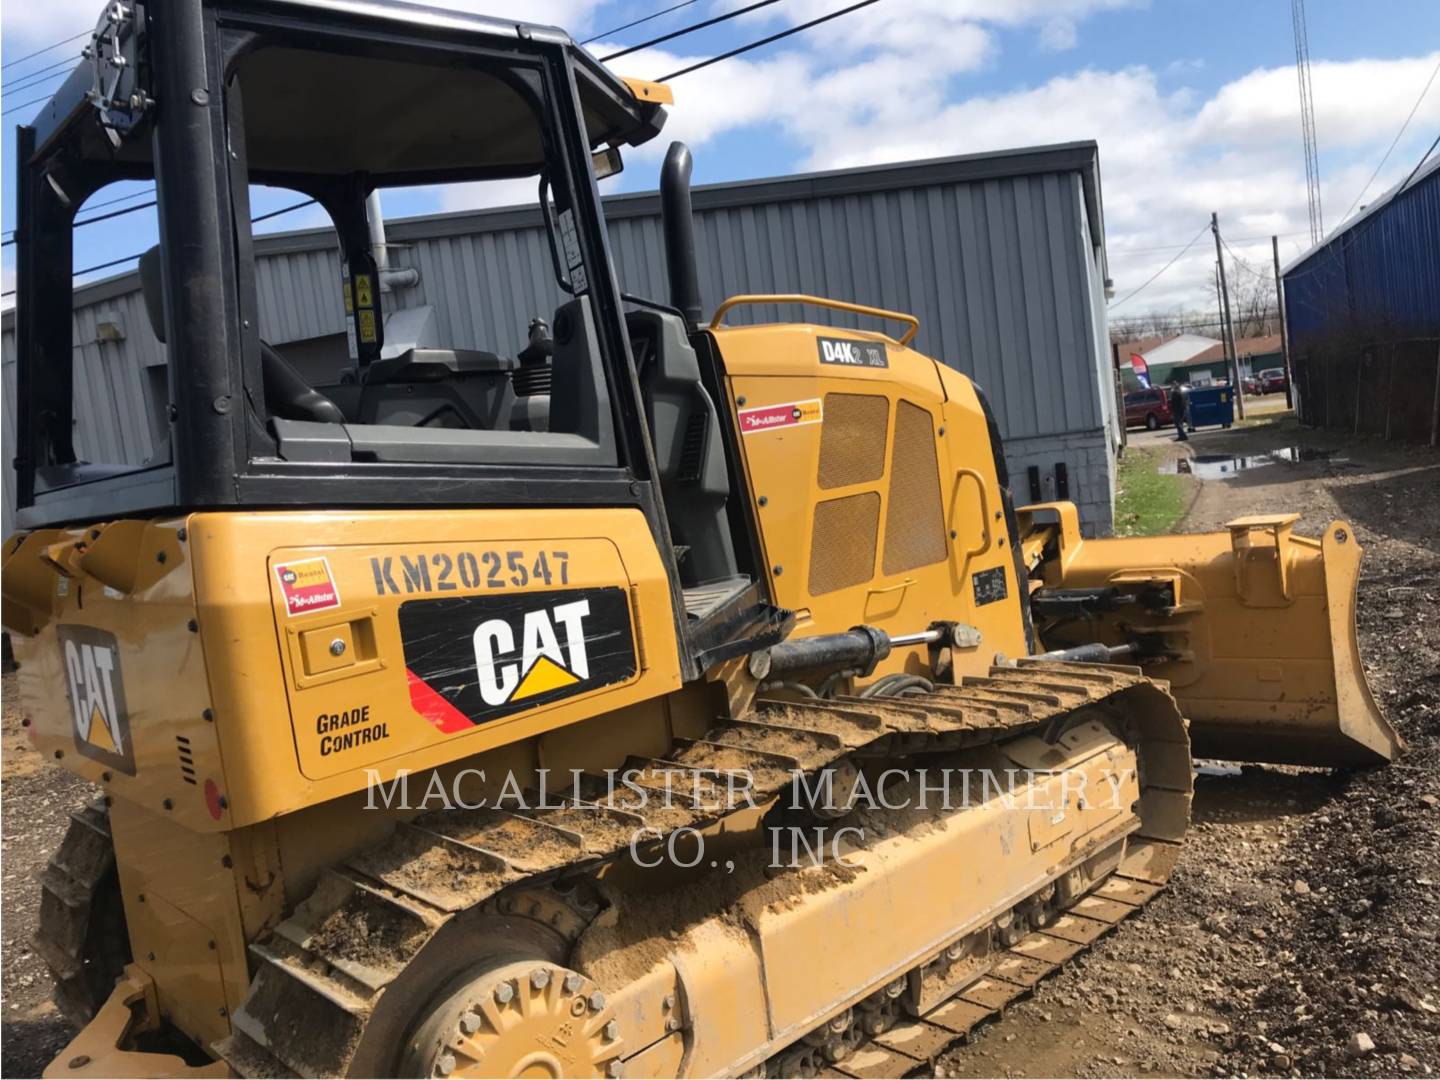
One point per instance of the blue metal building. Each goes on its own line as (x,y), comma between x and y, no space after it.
(1362,311)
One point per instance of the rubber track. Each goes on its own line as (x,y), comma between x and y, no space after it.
(72,898)
(314,988)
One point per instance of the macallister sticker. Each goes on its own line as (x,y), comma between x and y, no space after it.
(848,353)
(769,417)
(307,586)
(472,659)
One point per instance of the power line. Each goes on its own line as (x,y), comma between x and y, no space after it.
(103,217)
(1242,264)
(1307,119)
(1423,158)
(108,202)
(637,22)
(282,210)
(767,40)
(105,265)
(35,78)
(47,48)
(1115,251)
(688,29)
(1396,141)
(121,198)
(132,258)
(1353,234)
(1162,270)
(116,213)
(25,104)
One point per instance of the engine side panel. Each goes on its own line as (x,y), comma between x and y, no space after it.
(875,488)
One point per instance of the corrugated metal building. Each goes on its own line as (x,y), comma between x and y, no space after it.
(1001,255)
(1363,314)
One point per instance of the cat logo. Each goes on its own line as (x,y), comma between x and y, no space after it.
(97,696)
(477,658)
(543,665)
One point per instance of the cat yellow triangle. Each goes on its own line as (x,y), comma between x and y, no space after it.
(543,675)
(100,732)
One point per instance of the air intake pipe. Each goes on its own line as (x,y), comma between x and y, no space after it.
(679,228)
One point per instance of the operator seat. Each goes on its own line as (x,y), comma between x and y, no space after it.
(287,394)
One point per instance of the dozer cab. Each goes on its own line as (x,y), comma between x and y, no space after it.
(399,669)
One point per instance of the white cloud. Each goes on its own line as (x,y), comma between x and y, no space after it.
(1351,98)
(571,15)
(33,25)
(485,194)
(1059,34)
(932,26)
(1167,160)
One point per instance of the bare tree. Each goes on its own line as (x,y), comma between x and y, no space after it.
(1252,299)
(1252,309)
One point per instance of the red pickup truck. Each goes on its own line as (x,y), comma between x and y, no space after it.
(1148,409)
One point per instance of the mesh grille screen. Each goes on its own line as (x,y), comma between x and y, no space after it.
(852,439)
(842,546)
(914,519)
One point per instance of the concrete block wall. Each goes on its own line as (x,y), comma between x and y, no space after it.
(1089,460)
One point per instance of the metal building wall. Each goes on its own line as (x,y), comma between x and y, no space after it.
(1000,255)
(1363,315)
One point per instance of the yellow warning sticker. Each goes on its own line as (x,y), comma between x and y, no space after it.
(367,326)
(349,299)
(364,297)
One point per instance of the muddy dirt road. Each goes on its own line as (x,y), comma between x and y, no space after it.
(1301,934)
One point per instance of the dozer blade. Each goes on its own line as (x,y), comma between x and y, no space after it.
(1254,628)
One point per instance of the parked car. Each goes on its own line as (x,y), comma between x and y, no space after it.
(1252,385)
(1148,408)
(1272,380)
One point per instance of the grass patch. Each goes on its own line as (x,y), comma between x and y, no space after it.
(1146,503)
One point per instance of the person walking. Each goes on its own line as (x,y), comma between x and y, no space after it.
(1178,408)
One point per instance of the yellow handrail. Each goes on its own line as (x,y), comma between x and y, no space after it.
(818,301)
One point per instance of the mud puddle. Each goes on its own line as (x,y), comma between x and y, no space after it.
(1225,466)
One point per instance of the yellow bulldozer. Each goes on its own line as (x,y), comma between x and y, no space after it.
(603,709)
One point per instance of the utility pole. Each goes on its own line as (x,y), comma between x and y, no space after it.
(1236,386)
(1280,311)
(1220,315)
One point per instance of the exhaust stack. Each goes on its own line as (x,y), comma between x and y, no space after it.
(679,229)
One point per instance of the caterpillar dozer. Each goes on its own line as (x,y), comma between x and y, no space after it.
(666,698)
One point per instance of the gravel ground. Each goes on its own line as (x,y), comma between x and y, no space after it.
(1301,933)
(36,799)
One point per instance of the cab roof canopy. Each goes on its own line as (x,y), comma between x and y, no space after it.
(372,99)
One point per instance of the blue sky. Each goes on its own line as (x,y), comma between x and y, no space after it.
(1194,104)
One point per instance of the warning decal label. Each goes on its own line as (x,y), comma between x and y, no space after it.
(307,586)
